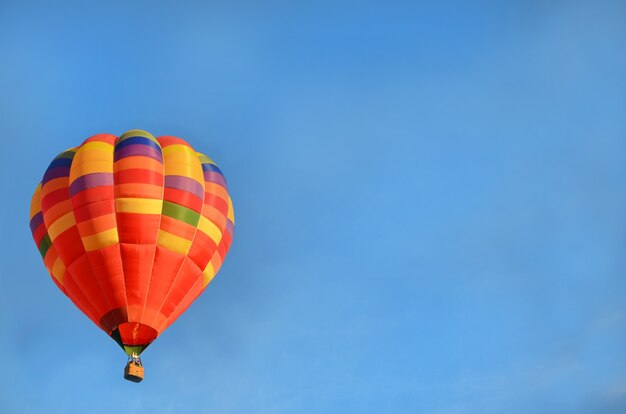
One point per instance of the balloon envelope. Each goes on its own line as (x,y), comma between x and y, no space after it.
(132,229)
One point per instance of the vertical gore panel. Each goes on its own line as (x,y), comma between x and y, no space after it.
(187,275)
(166,265)
(138,175)
(201,283)
(208,249)
(180,215)
(57,215)
(53,262)
(91,187)
(137,260)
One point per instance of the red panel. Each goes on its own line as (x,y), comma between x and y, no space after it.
(80,277)
(54,197)
(224,244)
(69,245)
(217,202)
(39,233)
(62,289)
(167,140)
(133,333)
(78,297)
(138,190)
(138,228)
(166,265)
(95,209)
(185,279)
(193,293)
(106,264)
(138,175)
(92,195)
(202,249)
(137,261)
(183,198)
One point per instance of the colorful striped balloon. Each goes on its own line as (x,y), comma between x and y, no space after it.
(132,230)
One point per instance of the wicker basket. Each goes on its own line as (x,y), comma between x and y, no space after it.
(133,372)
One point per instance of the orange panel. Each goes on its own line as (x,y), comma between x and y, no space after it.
(188,275)
(97,225)
(137,261)
(177,227)
(192,294)
(138,161)
(166,265)
(80,277)
(106,264)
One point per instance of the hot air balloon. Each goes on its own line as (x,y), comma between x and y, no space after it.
(132,229)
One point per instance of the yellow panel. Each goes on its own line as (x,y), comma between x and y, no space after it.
(185,171)
(89,167)
(138,205)
(137,133)
(179,152)
(35,202)
(231,211)
(100,240)
(96,147)
(58,270)
(92,157)
(173,243)
(204,159)
(61,224)
(209,228)
(208,274)
(182,160)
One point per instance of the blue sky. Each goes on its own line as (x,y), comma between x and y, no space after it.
(430,203)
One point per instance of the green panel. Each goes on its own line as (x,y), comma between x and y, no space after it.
(178,212)
(133,349)
(129,349)
(44,246)
(67,154)
(204,159)
(136,133)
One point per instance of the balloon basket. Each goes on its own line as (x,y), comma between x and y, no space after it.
(133,372)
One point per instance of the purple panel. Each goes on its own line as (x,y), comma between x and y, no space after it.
(186,184)
(89,181)
(138,149)
(36,221)
(55,172)
(215,177)
(230,227)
